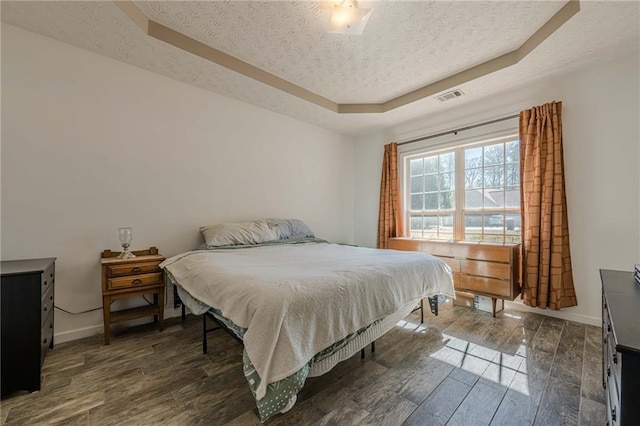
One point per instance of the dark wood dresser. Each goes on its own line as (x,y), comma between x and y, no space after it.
(27,293)
(621,347)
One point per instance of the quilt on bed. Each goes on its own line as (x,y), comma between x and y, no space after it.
(295,300)
(278,394)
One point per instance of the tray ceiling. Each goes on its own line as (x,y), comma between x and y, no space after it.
(405,46)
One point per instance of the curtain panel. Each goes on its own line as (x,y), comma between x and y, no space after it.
(547,279)
(390,214)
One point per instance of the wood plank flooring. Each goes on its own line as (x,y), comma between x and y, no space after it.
(460,368)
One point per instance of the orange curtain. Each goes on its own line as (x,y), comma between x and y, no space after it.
(546,276)
(390,216)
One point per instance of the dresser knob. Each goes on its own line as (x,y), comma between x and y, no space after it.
(615,358)
(45,308)
(136,281)
(45,341)
(51,325)
(136,269)
(51,297)
(45,282)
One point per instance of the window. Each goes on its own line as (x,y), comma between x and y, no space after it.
(470,192)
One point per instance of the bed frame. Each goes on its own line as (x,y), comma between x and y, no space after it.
(433,305)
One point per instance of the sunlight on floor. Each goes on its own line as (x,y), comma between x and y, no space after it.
(507,370)
(411,326)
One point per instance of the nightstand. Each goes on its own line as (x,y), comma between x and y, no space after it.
(124,278)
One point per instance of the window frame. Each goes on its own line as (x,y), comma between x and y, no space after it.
(458,147)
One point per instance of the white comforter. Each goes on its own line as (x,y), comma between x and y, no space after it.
(297,299)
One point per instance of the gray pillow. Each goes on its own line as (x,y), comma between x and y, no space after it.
(240,233)
(292,228)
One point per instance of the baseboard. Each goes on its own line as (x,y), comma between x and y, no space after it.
(80,333)
(569,316)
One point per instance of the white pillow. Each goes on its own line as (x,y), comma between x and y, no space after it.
(241,233)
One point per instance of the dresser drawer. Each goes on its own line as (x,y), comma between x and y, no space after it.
(46,305)
(48,278)
(46,336)
(135,281)
(613,404)
(131,269)
(487,269)
(486,285)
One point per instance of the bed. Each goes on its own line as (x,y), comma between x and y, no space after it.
(299,304)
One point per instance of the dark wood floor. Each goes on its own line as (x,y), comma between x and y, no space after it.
(461,368)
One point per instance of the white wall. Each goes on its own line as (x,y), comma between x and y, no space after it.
(90,144)
(601,147)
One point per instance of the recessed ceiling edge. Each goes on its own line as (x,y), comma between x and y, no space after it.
(195,47)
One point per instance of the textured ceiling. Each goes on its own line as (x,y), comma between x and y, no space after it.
(406,45)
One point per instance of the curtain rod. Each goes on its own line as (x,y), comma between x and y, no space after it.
(473,126)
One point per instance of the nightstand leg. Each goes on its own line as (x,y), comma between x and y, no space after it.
(493,304)
(160,299)
(106,306)
(155,302)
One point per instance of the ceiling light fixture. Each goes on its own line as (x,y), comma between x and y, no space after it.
(347,18)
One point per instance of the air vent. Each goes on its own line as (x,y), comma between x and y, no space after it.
(450,95)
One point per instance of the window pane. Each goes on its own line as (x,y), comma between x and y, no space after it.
(416,202)
(513,174)
(430,226)
(473,199)
(415,226)
(512,152)
(494,176)
(447,200)
(493,224)
(473,178)
(417,184)
(431,164)
(493,198)
(430,222)
(514,223)
(431,182)
(416,167)
(472,223)
(494,154)
(446,162)
(512,197)
(431,201)
(473,157)
(447,181)
(445,230)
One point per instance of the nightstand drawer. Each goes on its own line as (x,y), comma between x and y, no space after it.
(131,269)
(135,281)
